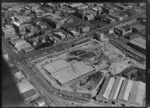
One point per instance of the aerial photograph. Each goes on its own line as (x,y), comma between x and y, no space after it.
(75,54)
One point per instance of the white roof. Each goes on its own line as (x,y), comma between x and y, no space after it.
(41,103)
(109,88)
(56,65)
(22,46)
(141,93)
(118,87)
(16,23)
(127,90)
(65,75)
(76,4)
(73,71)
(25,86)
(138,93)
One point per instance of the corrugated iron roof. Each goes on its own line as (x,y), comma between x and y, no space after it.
(125,90)
(137,93)
(116,88)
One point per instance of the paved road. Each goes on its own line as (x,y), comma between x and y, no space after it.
(30,75)
(40,82)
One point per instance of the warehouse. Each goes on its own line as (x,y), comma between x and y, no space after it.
(60,35)
(125,92)
(105,90)
(122,30)
(138,43)
(56,66)
(74,5)
(64,72)
(18,42)
(137,93)
(122,92)
(116,88)
(53,22)
(22,46)
(27,90)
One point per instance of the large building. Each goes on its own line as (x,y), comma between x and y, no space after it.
(121,91)
(106,90)
(137,94)
(53,22)
(122,30)
(27,90)
(125,92)
(138,43)
(64,71)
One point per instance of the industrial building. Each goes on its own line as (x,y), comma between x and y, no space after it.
(125,92)
(59,35)
(74,5)
(118,16)
(53,22)
(104,93)
(64,72)
(122,30)
(27,90)
(121,91)
(18,42)
(27,49)
(137,94)
(21,44)
(87,14)
(116,88)
(138,43)
(78,6)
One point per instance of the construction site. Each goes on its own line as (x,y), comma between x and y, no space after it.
(80,68)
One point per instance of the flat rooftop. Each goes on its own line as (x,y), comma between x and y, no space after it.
(25,86)
(64,71)
(139,41)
